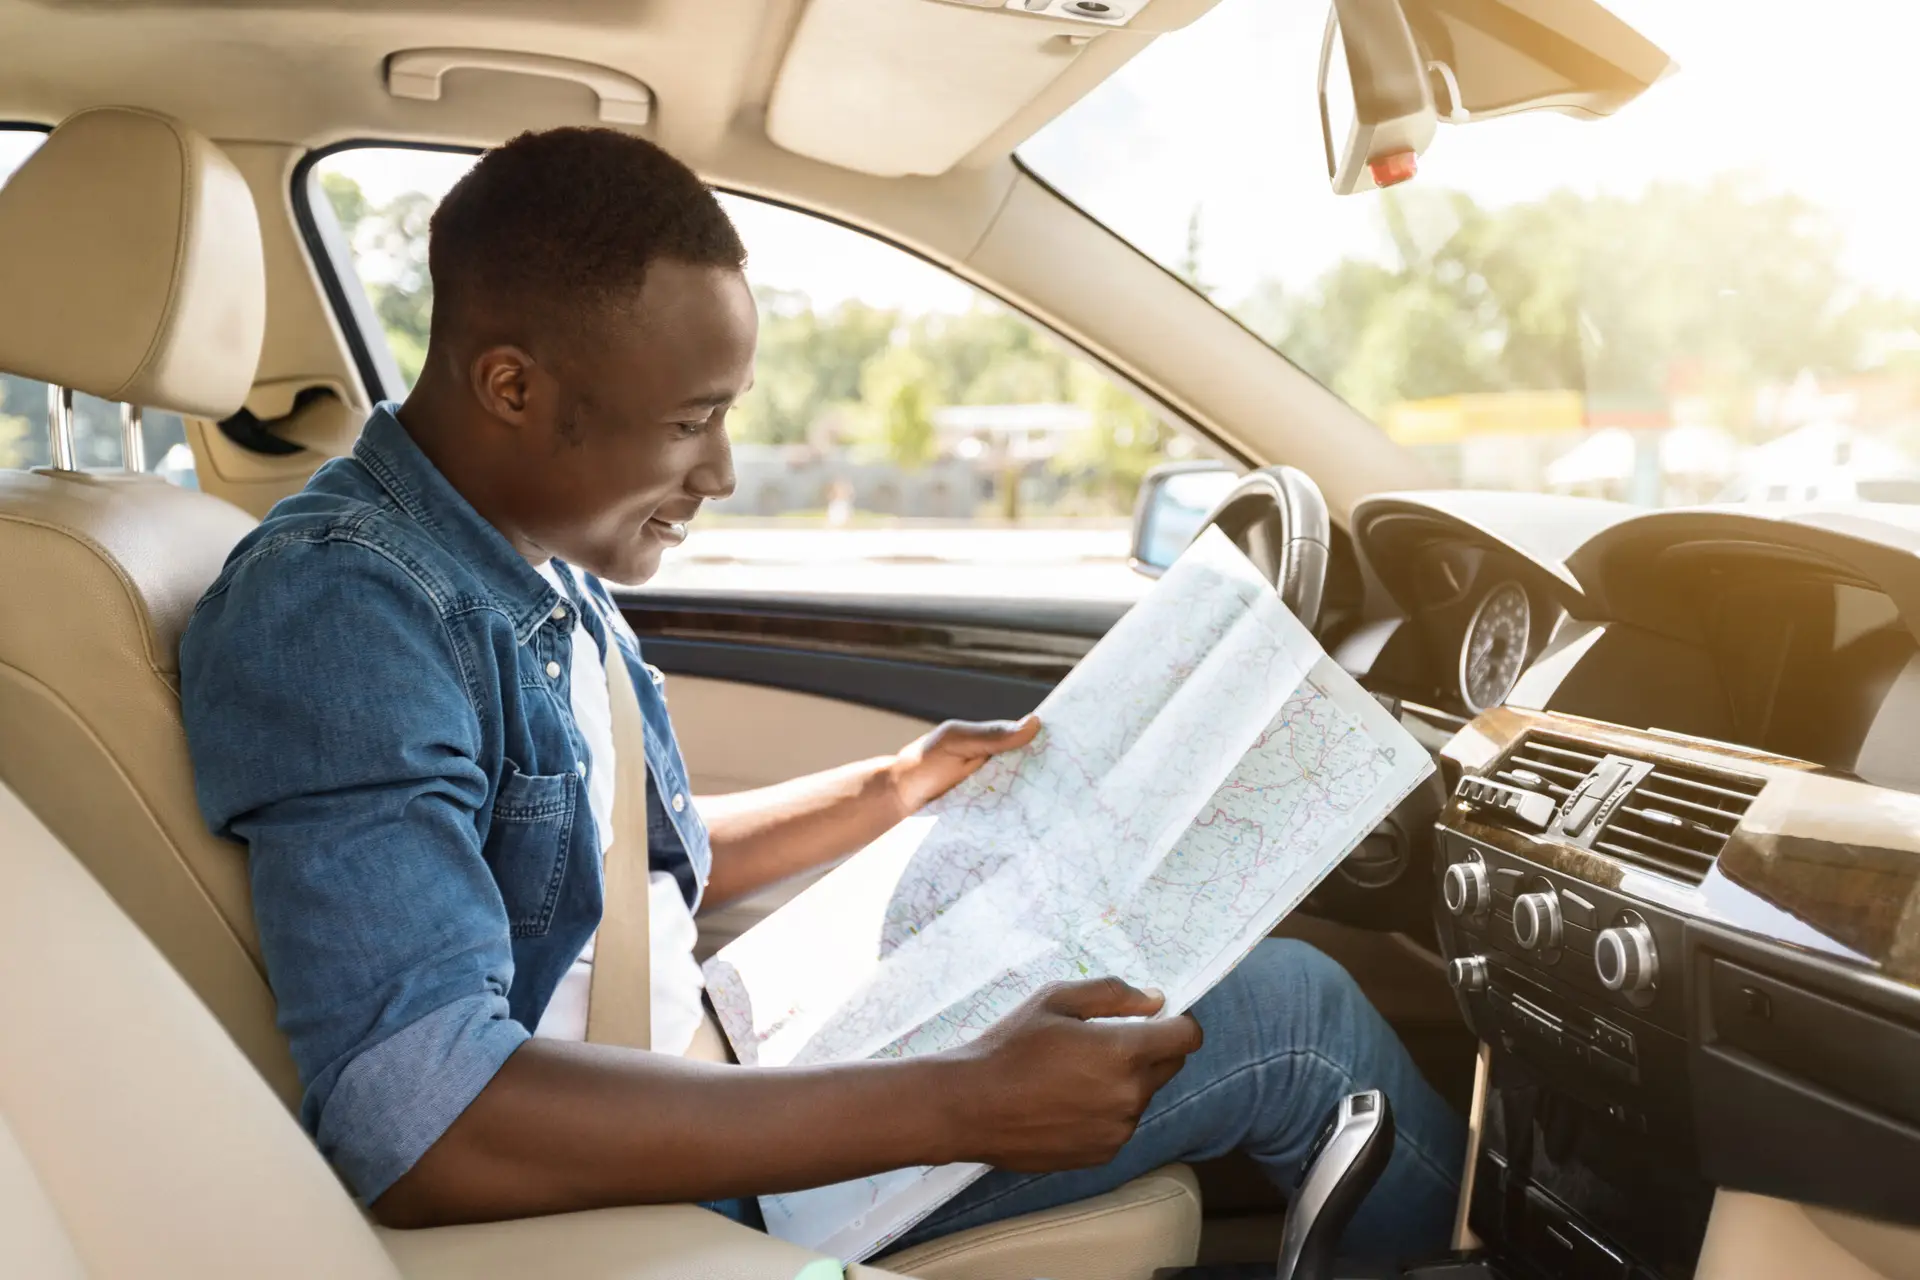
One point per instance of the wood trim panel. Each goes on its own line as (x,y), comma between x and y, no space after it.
(928,640)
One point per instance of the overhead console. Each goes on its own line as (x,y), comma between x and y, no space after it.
(1696,965)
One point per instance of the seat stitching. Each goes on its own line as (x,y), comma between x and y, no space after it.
(107,558)
(146,809)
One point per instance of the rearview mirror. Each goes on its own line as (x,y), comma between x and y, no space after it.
(1376,109)
(1173,500)
(1391,70)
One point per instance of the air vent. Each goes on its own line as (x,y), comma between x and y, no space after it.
(1549,764)
(1677,820)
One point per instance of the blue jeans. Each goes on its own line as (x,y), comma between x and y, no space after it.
(1288,1033)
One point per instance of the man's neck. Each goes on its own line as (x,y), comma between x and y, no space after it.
(436,421)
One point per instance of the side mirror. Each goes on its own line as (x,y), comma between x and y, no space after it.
(1174,499)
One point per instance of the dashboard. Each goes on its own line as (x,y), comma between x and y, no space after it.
(1784,637)
(1676,876)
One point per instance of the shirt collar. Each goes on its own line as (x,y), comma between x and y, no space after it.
(425,495)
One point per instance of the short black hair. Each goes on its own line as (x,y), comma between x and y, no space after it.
(566,222)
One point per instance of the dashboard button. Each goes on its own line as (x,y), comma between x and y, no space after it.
(1613,1039)
(1468,973)
(1576,909)
(1593,792)
(1465,890)
(1625,958)
(1536,921)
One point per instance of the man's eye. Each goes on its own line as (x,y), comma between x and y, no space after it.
(686,429)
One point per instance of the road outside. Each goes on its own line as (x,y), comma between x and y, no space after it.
(1027,563)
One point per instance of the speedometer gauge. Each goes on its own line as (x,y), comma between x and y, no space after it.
(1495,647)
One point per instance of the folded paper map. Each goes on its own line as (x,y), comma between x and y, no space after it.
(1196,775)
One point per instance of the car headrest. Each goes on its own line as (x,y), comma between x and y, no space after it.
(131,253)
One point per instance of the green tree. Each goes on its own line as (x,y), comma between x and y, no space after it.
(897,403)
(988,355)
(1125,439)
(809,365)
(1722,283)
(389,244)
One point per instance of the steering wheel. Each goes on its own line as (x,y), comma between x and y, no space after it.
(1278,517)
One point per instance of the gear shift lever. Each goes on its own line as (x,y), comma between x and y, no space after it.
(1346,1160)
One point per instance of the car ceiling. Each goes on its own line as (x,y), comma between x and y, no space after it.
(962,85)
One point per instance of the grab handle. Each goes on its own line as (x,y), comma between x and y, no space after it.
(417,73)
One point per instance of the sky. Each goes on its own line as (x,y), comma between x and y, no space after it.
(1810,96)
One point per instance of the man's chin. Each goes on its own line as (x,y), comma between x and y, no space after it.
(634,568)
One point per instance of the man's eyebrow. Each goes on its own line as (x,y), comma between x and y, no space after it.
(714,399)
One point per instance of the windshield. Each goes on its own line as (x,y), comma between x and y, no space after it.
(1710,296)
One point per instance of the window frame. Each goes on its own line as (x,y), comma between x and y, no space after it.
(353,313)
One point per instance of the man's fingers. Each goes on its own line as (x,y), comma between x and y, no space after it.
(1103,998)
(1168,1040)
(988,738)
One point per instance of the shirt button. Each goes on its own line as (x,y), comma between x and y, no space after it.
(679,802)
(553,671)
(559,613)
(581,765)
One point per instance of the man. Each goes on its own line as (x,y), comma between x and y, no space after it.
(395,694)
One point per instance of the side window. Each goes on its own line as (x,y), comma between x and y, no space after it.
(904,433)
(24,440)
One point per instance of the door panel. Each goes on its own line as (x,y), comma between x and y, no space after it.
(740,736)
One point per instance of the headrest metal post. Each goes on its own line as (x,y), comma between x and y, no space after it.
(133,444)
(60,428)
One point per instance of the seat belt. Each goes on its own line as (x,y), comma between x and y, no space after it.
(620,997)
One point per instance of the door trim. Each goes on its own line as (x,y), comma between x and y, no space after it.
(932,658)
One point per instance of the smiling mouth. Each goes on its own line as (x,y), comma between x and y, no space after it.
(674,531)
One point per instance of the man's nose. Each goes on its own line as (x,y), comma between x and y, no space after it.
(713,479)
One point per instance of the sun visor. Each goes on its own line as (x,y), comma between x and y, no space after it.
(912,87)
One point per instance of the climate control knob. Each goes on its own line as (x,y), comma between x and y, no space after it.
(1464,888)
(1468,974)
(1536,921)
(1625,959)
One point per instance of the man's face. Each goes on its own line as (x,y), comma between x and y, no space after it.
(624,432)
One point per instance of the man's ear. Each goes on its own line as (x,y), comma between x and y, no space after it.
(504,379)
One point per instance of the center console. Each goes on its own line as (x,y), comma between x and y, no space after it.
(1564,949)
(1689,964)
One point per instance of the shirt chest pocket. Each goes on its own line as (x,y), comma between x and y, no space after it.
(527,845)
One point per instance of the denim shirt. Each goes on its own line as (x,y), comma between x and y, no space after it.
(377,703)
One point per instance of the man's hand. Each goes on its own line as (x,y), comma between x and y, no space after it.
(1045,1089)
(929,767)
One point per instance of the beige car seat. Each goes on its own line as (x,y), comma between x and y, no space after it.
(136,1142)
(132,254)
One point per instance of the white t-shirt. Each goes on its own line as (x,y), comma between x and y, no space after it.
(677,1011)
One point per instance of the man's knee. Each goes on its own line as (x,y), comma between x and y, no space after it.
(1302,975)
(1290,995)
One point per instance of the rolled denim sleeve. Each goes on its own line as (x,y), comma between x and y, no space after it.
(332,730)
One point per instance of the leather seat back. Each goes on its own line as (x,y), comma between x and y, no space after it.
(134,1141)
(132,254)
